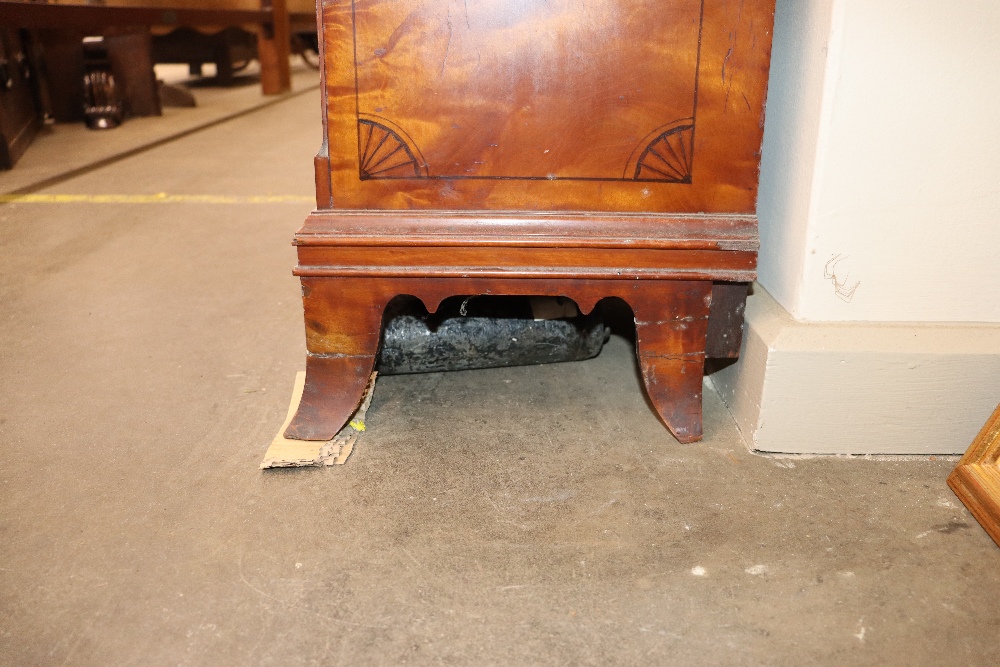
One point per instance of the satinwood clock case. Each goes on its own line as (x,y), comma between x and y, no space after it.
(576,148)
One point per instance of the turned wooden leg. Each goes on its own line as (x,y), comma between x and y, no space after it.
(343,328)
(671,320)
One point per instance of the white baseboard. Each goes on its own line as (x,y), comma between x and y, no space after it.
(860,387)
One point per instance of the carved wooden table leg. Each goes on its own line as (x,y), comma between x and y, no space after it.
(671,321)
(343,328)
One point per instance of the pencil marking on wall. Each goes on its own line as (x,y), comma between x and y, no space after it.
(842,286)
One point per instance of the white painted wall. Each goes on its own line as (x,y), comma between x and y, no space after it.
(881,163)
(791,133)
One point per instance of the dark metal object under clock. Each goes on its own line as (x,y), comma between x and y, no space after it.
(487,332)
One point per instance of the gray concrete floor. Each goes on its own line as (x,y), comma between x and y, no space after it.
(514,516)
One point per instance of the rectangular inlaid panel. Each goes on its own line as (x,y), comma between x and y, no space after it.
(591,105)
(526,60)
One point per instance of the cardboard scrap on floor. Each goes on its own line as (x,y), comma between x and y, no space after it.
(286,453)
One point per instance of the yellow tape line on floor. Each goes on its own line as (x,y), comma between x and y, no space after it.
(161,198)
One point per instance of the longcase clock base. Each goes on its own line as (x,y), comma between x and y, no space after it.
(353,264)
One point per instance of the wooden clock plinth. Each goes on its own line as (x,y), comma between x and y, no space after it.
(606,148)
(353,263)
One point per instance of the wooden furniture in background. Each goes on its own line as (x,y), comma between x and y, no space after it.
(606,148)
(20,116)
(130,53)
(976,479)
(269,19)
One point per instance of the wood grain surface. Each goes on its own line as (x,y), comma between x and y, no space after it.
(976,478)
(523,230)
(591,105)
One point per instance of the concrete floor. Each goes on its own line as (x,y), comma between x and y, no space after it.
(515,516)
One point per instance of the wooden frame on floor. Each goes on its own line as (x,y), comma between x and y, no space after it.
(976,479)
